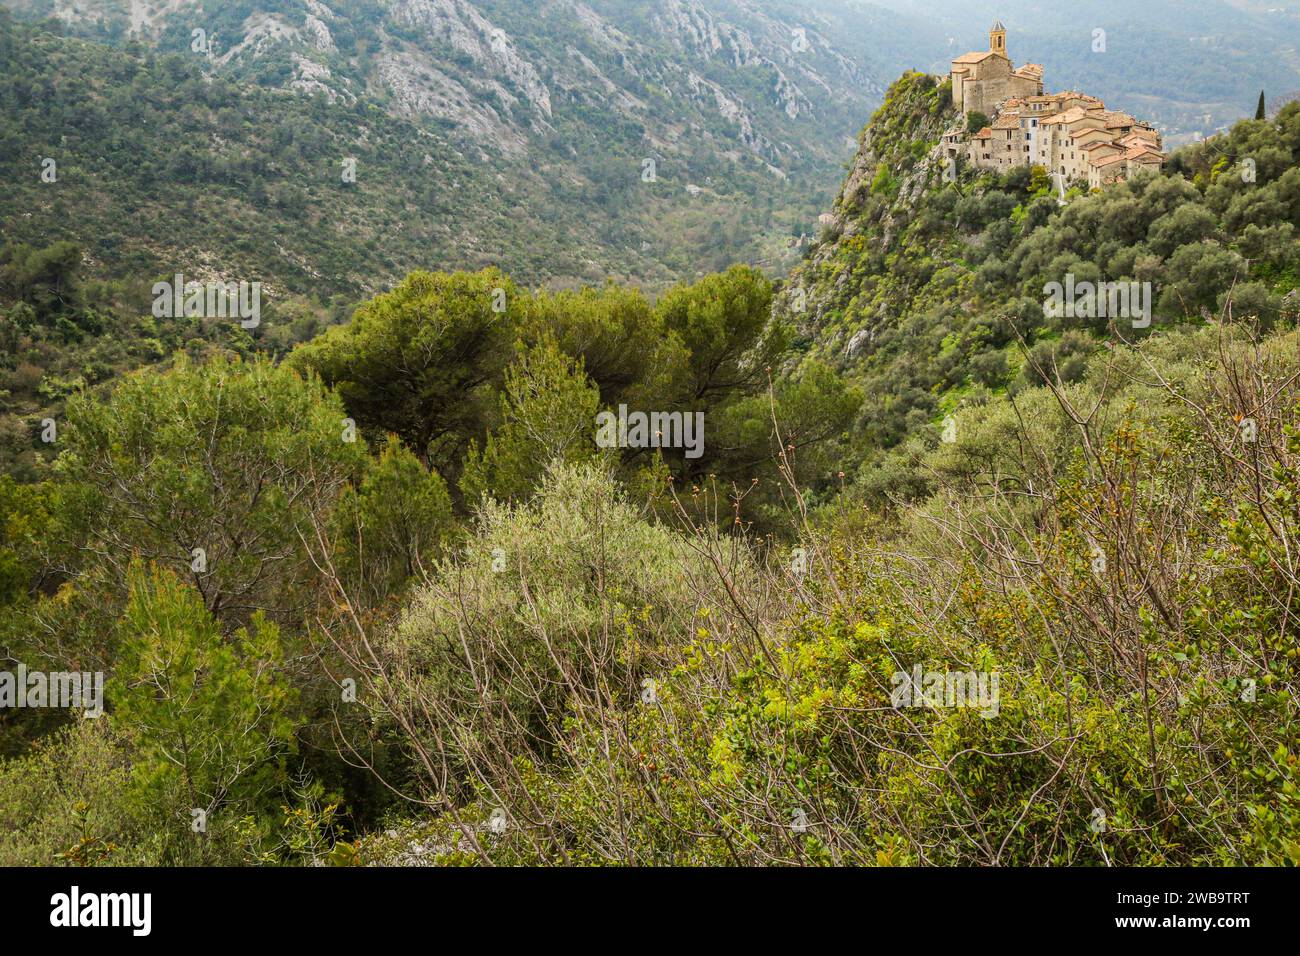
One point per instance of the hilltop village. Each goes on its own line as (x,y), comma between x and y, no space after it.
(1070,134)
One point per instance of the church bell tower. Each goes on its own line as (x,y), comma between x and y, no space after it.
(998,38)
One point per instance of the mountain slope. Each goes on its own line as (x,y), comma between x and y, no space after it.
(930,294)
(543,139)
(1055,633)
(503,72)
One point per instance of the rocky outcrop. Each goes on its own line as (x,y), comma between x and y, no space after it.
(462,27)
(263,32)
(318,34)
(312,77)
(884,184)
(498,78)
(419,89)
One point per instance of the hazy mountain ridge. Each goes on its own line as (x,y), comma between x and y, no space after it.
(715,136)
(498,71)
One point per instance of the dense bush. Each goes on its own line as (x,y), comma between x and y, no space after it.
(491,640)
(947,278)
(1132,592)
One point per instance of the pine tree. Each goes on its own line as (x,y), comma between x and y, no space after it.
(1259,110)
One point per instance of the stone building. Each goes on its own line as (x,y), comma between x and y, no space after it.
(1070,134)
(980,81)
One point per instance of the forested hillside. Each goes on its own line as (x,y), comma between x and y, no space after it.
(930,294)
(332,151)
(377,591)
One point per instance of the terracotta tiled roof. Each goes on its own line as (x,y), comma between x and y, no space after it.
(1007,121)
(1140,145)
(1140,135)
(976,57)
(1105,161)
(1134,152)
(1077,101)
(1088,136)
(1083,122)
(985,133)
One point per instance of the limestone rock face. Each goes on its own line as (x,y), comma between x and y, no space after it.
(885,183)
(460,25)
(732,76)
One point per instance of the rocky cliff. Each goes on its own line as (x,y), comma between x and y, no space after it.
(898,159)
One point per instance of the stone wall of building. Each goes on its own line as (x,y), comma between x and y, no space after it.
(1071,135)
(983,94)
